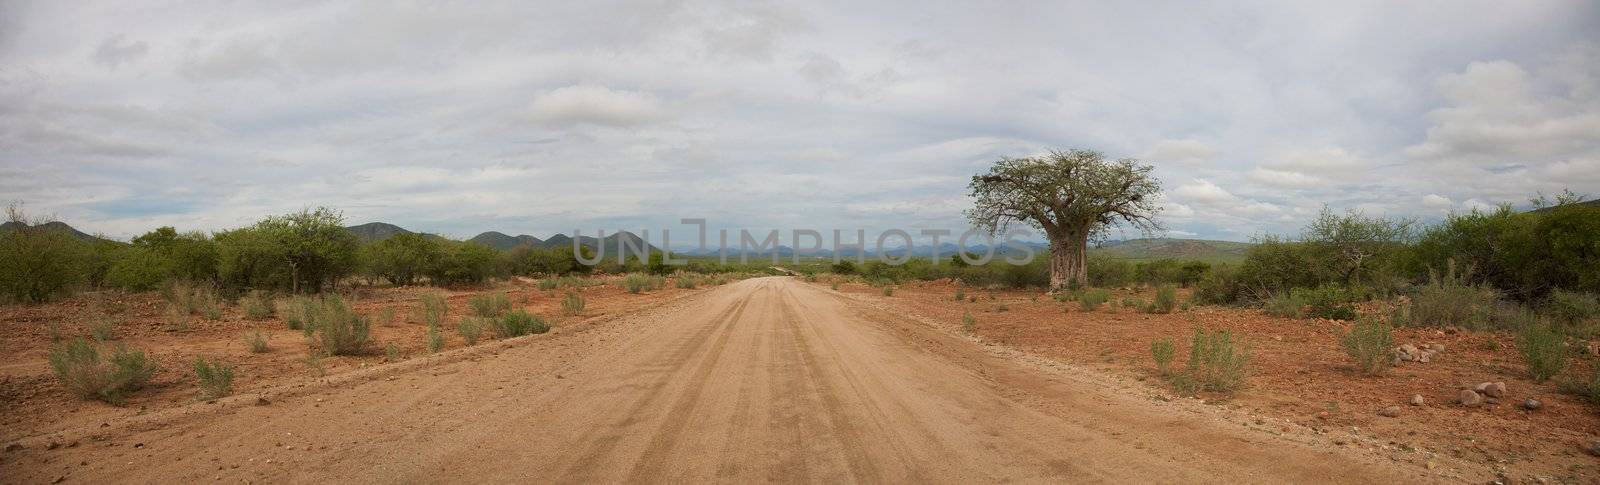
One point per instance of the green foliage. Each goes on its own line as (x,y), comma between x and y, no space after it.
(257,342)
(572,304)
(463,262)
(193,299)
(470,329)
(549,284)
(304,251)
(79,366)
(490,305)
(1284,305)
(434,308)
(1092,299)
(260,305)
(845,267)
(518,323)
(1326,301)
(1588,390)
(1451,299)
(1572,308)
(435,338)
(1216,364)
(1369,344)
(300,309)
(39,262)
(636,282)
(686,282)
(1162,351)
(888,291)
(403,258)
(103,328)
(391,352)
(968,323)
(1166,299)
(1543,349)
(216,380)
(1219,286)
(1524,255)
(339,330)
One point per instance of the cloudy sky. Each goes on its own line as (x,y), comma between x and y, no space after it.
(538,118)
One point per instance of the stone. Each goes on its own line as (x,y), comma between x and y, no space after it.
(1532,404)
(1497,389)
(1390,412)
(1594,447)
(1416,400)
(261,401)
(1469,398)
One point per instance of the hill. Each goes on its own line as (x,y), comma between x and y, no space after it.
(52,225)
(501,241)
(1186,249)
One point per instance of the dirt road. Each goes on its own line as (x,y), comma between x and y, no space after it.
(769,379)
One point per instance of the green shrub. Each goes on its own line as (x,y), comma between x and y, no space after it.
(216,380)
(1588,390)
(259,305)
(549,284)
(340,331)
(435,338)
(1162,351)
(1092,299)
(299,308)
(1370,343)
(1166,299)
(490,305)
(1220,286)
(1543,349)
(81,369)
(518,323)
(636,282)
(103,328)
(403,258)
(39,261)
(1450,299)
(1326,301)
(1570,307)
(434,308)
(257,342)
(968,323)
(1215,364)
(1284,305)
(888,291)
(306,251)
(391,352)
(1136,304)
(961,294)
(572,304)
(470,329)
(687,282)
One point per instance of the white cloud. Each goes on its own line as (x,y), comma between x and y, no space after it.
(1186,150)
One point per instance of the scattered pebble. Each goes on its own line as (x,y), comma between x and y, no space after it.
(1390,412)
(1532,404)
(1416,400)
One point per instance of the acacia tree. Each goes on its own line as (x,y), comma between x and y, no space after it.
(1071,196)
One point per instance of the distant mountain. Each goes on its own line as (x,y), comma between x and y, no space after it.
(501,241)
(52,225)
(376,231)
(1158,248)
(612,243)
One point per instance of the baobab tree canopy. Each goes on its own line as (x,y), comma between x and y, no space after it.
(1070,196)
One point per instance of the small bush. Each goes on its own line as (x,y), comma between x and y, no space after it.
(549,284)
(216,380)
(257,342)
(435,338)
(518,323)
(1571,308)
(391,352)
(1284,305)
(1327,301)
(1588,390)
(434,308)
(1092,299)
(1543,349)
(490,305)
(299,308)
(968,323)
(1162,351)
(340,331)
(81,369)
(572,304)
(1166,299)
(1137,304)
(259,305)
(687,282)
(177,320)
(470,329)
(888,291)
(1449,299)
(1369,344)
(103,328)
(636,282)
(1215,364)
(961,294)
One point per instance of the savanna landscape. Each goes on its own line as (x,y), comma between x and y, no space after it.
(767,244)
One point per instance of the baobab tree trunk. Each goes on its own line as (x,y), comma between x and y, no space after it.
(1067,266)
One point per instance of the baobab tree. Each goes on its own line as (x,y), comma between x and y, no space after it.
(1070,196)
